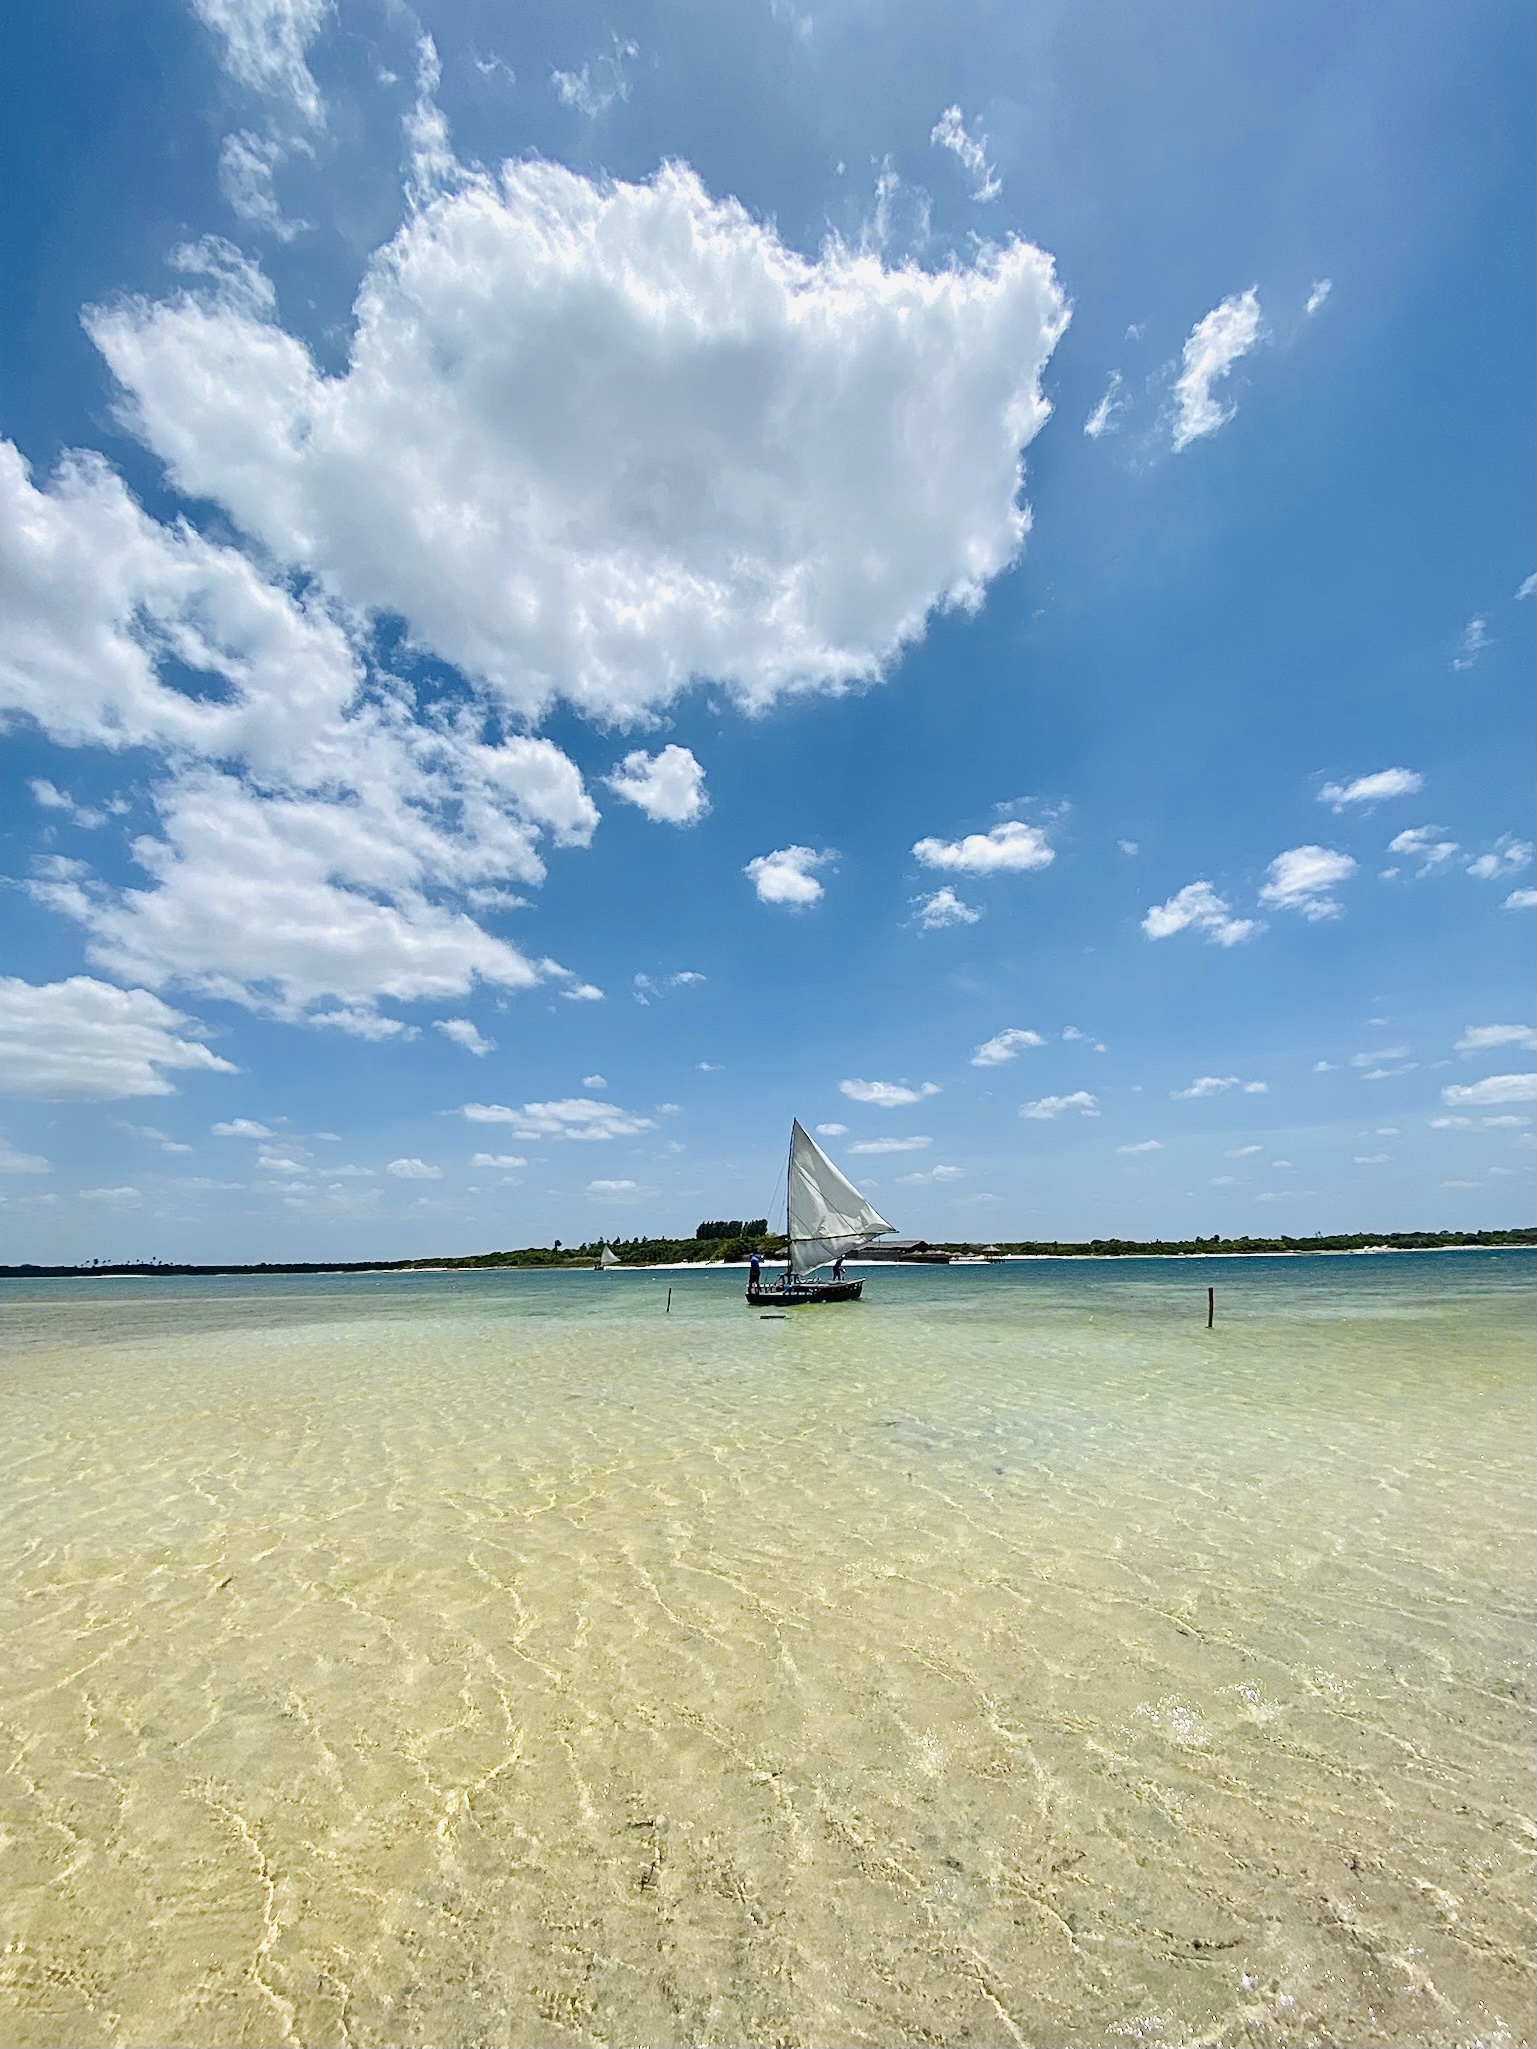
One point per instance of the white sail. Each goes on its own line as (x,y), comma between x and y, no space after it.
(827,1213)
(608,1257)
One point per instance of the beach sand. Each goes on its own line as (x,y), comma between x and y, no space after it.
(498,1658)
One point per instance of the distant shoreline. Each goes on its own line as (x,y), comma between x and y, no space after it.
(1517,1240)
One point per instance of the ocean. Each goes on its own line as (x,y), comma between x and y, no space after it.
(505,1658)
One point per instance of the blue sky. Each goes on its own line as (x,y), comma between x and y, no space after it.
(579,582)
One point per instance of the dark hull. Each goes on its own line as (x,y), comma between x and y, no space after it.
(804,1291)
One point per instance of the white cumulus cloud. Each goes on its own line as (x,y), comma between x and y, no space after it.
(497,1160)
(1426,845)
(1372,789)
(596,439)
(787,876)
(1302,878)
(890,1145)
(1008,849)
(83,1041)
(1215,344)
(1146,1145)
(1005,1045)
(1057,1106)
(1521,900)
(1506,856)
(1494,1088)
(831,1130)
(942,907)
(13,1162)
(601,1188)
(406,1170)
(887,1095)
(668,787)
(1197,907)
(1483,1038)
(574,1117)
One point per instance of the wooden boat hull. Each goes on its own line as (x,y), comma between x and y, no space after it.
(802,1292)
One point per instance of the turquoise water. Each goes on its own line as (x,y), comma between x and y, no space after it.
(504,1658)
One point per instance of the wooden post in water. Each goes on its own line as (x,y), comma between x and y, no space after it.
(1211,1307)
(669,1301)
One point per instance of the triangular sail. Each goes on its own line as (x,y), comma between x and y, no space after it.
(608,1257)
(827,1213)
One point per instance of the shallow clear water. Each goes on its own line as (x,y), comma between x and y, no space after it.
(502,1659)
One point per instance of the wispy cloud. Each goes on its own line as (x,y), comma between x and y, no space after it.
(887,1095)
(1146,1145)
(575,1117)
(942,908)
(1424,844)
(601,81)
(1475,638)
(1106,415)
(465,1034)
(1481,1038)
(1058,1106)
(1215,344)
(1006,1045)
(1506,855)
(1206,1085)
(891,1145)
(1317,296)
(1372,789)
(950,132)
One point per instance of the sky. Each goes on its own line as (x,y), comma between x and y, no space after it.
(578,582)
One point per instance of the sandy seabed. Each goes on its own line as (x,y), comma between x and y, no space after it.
(501,1659)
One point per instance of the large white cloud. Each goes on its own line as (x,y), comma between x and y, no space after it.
(594,440)
(82,1041)
(311,863)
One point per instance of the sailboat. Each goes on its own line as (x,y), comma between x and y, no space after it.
(825,1218)
(606,1258)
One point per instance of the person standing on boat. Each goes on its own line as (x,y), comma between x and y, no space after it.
(754,1272)
(838,1268)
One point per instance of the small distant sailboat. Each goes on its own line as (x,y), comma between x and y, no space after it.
(606,1258)
(826,1218)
